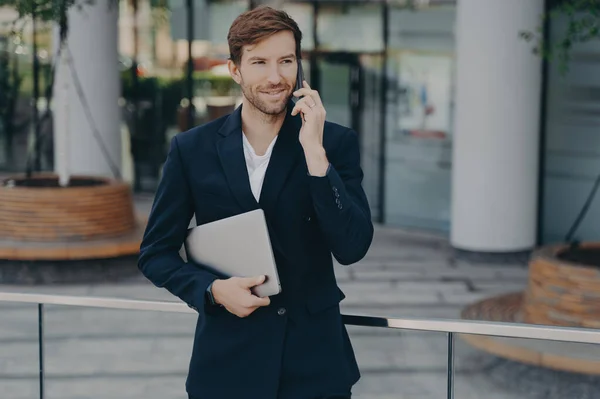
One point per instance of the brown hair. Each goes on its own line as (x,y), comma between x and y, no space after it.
(257,24)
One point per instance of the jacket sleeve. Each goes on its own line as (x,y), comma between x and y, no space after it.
(341,205)
(169,219)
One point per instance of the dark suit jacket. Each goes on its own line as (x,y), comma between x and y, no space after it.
(298,346)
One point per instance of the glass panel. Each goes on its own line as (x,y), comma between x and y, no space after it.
(399,364)
(19,355)
(304,17)
(335,91)
(178,20)
(402,279)
(156,92)
(162,82)
(419,123)
(426,29)
(222,14)
(211,19)
(572,144)
(354,28)
(511,368)
(350,86)
(17,92)
(370,127)
(108,353)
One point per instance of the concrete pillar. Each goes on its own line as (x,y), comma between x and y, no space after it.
(496,144)
(92,45)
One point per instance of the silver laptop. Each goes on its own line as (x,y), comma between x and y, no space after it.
(237,246)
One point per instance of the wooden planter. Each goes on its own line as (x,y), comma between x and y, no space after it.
(217,107)
(89,209)
(560,292)
(86,232)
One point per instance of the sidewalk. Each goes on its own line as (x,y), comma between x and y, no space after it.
(95,353)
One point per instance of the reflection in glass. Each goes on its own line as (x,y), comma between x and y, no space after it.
(513,368)
(571,156)
(419,124)
(353,28)
(335,91)
(303,15)
(161,90)
(17,92)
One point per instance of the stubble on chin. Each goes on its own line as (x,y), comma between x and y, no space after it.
(269,110)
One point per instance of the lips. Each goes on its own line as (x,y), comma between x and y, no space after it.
(274,93)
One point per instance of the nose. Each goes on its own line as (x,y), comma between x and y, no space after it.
(274,76)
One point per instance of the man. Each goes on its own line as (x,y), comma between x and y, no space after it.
(305,174)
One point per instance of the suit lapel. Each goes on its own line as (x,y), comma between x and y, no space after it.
(231,154)
(286,153)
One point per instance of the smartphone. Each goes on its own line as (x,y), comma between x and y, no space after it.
(299,80)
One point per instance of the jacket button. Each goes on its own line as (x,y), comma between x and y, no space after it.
(281,311)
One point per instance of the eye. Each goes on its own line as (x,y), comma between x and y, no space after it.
(258,62)
(287,61)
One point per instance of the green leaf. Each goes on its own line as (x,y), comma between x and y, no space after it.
(583,25)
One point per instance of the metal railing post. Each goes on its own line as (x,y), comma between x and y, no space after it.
(450,365)
(41,346)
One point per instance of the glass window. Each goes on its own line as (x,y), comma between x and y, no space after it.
(164,109)
(17,133)
(303,15)
(352,28)
(222,15)
(572,143)
(428,29)
(419,118)
(178,19)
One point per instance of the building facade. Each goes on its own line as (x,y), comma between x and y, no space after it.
(464,131)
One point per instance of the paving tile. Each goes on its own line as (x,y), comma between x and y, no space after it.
(20,388)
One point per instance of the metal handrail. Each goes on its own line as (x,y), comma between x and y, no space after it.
(500,329)
(449,326)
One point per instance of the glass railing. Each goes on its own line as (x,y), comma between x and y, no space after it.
(71,347)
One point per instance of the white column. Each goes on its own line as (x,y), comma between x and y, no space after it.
(496,145)
(92,44)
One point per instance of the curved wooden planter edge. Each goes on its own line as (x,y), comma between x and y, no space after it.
(61,214)
(562,292)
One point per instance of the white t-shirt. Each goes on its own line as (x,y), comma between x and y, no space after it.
(257,165)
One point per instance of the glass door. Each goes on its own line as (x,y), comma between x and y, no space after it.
(338,81)
(350,87)
(419,141)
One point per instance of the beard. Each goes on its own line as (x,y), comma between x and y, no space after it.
(259,99)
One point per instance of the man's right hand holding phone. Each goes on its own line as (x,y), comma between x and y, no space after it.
(235,295)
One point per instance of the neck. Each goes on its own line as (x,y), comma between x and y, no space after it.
(258,126)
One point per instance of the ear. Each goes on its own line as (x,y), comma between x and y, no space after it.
(234,71)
